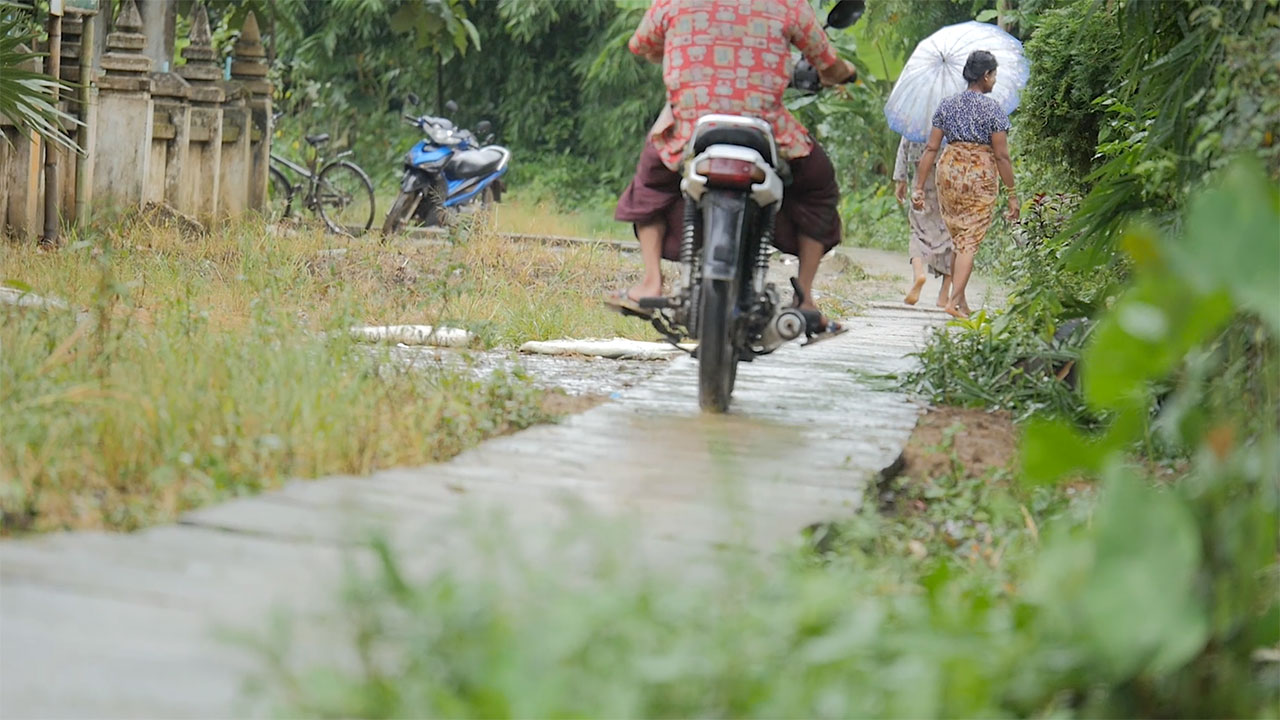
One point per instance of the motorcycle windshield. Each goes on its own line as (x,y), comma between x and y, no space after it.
(443,136)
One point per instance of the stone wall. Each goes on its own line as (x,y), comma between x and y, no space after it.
(191,139)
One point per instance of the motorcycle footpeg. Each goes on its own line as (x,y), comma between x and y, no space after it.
(654,303)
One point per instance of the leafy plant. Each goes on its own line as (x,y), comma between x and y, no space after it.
(988,361)
(25,95)
(1173,586)
(1075,55)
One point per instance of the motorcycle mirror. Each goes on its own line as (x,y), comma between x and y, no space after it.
(483,127)
(846,13)
(412,99)
(451,107)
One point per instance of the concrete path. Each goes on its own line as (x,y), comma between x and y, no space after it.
(104,625)
(982,290)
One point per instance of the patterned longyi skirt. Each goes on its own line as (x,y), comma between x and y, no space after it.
(967,187)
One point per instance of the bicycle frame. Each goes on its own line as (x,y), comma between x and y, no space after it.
(311,179)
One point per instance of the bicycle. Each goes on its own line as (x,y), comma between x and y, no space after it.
(341,193)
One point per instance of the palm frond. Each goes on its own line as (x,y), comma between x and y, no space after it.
(26,95)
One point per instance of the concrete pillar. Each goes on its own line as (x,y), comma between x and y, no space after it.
(159,22)
(233,197)
(200,183)
(170,137)
(249,67)
(123,134)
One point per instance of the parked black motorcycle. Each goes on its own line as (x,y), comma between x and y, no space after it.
(733,190)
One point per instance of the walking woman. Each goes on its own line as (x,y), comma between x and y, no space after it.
(930,244)
(977,133)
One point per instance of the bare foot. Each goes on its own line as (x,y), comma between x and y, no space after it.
(958,312)
(644,291)
(942,302)
(914,295)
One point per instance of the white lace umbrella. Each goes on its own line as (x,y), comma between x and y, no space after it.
(935,71)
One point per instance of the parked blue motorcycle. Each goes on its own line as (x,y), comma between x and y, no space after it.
(447,169)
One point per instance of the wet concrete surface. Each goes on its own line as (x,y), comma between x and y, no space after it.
(575,375)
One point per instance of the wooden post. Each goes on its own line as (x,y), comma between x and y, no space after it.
(86,135)
(51,150)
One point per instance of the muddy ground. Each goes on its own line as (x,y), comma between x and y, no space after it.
(974,440)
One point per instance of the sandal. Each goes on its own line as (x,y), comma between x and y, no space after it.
(817,328)
(622,301)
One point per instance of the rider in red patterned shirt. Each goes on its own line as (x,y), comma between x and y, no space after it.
(731,56)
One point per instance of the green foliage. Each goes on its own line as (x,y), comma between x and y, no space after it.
(1180,108)
(1179,584)
(1048,285)
(440,28)
(26,96)
(1074,54)
(991,362)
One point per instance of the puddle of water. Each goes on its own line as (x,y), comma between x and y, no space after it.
(574,375)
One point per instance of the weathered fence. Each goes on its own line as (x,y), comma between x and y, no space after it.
(196,138)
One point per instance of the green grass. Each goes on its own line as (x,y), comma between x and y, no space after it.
(205,367)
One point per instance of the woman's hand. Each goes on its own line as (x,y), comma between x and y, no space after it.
(917,199)
(1015,209)
(900,191)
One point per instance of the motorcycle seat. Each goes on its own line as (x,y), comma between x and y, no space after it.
(320,139)
(474,163)
(741,136)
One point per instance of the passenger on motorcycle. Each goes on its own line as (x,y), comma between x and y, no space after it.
(731,56)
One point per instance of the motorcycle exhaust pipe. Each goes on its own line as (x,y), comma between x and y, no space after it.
(786,325)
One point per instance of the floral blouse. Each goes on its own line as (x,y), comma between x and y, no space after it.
(729,56)
(970,117)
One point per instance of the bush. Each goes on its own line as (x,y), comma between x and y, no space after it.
(1075,54)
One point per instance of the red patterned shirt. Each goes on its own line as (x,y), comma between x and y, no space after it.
(729,56)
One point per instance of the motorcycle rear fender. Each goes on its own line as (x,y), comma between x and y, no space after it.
(723,214)
(765,192)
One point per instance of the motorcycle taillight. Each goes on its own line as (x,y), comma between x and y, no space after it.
(729,172)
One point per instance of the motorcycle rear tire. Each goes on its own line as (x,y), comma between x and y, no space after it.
(403,207)
(717,358)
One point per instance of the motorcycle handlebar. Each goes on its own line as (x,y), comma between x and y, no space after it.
(806,78)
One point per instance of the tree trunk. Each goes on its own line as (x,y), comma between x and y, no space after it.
(439,86)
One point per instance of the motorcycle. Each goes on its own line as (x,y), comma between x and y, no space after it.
(732,191)
(447,169)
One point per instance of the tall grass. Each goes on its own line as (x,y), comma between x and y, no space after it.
(197,367)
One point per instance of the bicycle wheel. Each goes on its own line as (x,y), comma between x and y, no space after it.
(279,197)
(344,198)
